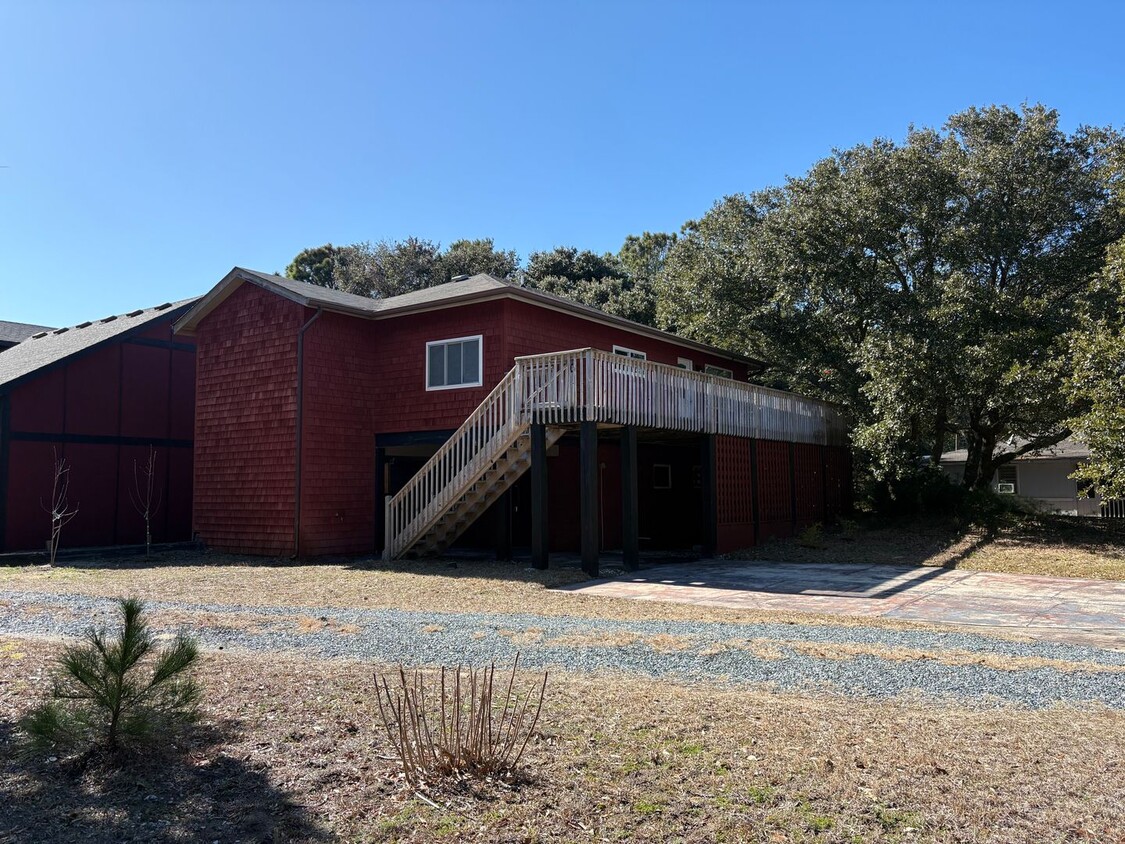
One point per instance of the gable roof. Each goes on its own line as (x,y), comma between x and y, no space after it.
(1065,450)
(54,345)
(17,332)
(477,288)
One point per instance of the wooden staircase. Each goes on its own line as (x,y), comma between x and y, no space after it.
(481,494)
(492,448)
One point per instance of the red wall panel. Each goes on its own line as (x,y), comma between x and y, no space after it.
(144,390)
(30,471)
(734,494)
(38,404)
(245,423)
(809,474)
(182,406)
(774,491)
(78,401)
(92,383)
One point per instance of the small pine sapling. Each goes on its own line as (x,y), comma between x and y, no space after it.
(116,691)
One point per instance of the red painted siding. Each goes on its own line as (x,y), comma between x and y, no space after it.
(81,410)
(404,403)
(774,491)
(531,330)
(341,394)
(734,495)
(245,423)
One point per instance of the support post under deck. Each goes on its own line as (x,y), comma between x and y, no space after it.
(630,512)
(710,496)
(540,551)
(588,481)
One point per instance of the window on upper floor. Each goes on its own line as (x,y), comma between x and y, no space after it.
(685,363)
(629,353)
(719,371)
(458,362)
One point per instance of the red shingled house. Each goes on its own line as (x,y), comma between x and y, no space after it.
(98,395)
(483,412)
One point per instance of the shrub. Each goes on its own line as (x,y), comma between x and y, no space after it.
(455,725)
(111,692)
(811,537)
(849,529)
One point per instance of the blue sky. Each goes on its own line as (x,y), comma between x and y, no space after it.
(147,147)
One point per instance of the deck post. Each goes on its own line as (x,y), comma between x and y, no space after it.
(588,483)
(630,512)
(540,550)
(793,484)
(504,525)
(380,506)
(757,514)
(710,495)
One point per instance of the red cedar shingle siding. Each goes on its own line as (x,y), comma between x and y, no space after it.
(341,394)
(245,423)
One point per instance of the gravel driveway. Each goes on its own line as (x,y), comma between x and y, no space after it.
(785,656)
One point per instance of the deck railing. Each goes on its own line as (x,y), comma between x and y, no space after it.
(596,386)
(564,388)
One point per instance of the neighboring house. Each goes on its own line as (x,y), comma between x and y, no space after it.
(492,414)
(99,395)
(16,332)
(1041,476)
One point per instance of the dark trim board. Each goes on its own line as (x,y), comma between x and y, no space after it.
(5,421)
(160,344)
(96,439)
(412,438)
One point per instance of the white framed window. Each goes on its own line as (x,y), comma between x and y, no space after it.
(629,353)
(457,362)
(1008,479)
(685,363)
(661,476)
(719,371)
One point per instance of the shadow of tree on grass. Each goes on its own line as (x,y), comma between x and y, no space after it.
(190,790)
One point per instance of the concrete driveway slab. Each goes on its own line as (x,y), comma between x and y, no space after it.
(1062,609)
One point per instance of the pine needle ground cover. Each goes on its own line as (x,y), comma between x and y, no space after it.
(289,749)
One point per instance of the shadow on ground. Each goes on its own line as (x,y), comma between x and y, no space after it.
(191,792)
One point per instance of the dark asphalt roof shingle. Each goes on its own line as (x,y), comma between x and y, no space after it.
(1065,450)
(60,343)
(17,332)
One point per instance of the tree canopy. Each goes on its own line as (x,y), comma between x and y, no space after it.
(930,286)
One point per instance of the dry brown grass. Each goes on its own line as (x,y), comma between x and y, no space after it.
(288,752)
(1052,546)
(422,586)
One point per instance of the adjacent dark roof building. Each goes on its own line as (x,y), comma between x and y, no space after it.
(99,395)
(16,332)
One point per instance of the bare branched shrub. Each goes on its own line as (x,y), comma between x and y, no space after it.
(455,723)
(60,510)
(145,495)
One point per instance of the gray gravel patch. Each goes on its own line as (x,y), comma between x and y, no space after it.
(415,638)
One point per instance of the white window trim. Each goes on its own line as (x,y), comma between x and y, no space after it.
(480,363)
(685,363)
(718,371)
(626,352)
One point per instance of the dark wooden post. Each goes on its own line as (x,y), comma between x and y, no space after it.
(588,482)
(754,500)
(504,525)
(824,483)
(380,503)
(630,512)
(793,484)
(540,551)
(710,495)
